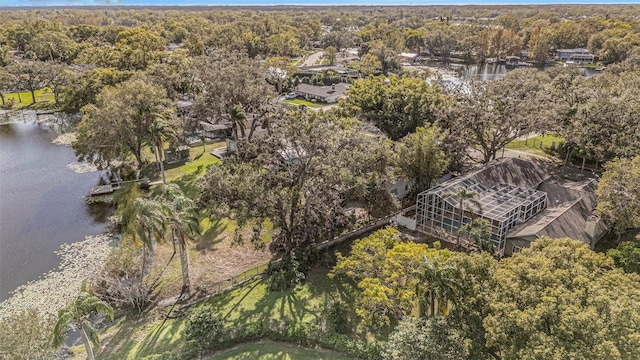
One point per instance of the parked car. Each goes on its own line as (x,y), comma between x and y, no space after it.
(290,96)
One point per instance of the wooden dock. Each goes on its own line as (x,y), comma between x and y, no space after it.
(111,188)
(103,189)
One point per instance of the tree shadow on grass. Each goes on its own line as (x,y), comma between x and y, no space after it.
(188,183)
(212,236)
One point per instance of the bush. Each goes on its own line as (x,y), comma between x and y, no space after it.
(119,283)
(203,326)
(291,269)
(335,318)
(9,104)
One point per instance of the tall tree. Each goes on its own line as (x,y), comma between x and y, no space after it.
(490,115)
(314,159)
(76,316)
(181,217)
(559,299)
(385,270)
(228,79)
(627,255)
(238,119)
(149,229)
(118,125)
(330,53)
(619,195)
(464,197)
(397,106)
(421,158)
(436,285)
(605,125)
(30,76)
(161,130)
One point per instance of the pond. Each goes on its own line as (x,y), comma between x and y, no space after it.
(42,202)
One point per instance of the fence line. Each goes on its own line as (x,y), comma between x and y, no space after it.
(254,273)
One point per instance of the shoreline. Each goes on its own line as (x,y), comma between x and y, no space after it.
(54,289)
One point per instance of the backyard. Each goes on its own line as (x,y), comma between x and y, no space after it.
(269,350)
(44,99)
(251,303)
(299,102)
(539,145)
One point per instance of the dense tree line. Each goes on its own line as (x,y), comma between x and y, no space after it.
(556,299)
(141,79)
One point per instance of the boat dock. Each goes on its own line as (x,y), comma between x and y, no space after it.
(111,188)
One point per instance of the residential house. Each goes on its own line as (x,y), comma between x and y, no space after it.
(575,55)
(521,199)
(324,94)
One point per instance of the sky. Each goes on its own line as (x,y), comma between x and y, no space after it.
(297,2)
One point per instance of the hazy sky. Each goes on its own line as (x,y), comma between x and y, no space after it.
(301,2)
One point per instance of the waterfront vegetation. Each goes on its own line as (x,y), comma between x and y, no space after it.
(221,259)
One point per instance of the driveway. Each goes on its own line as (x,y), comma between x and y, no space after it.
(311,60)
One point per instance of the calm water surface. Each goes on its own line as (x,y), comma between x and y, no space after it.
(41,203)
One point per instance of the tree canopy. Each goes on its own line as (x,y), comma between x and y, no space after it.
(118,125)
(397,106)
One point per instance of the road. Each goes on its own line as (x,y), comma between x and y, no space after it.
(313,58)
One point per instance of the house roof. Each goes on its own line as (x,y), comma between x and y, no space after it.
(568,208)
(497,198)
(516,172)
(568,220)
(215,127)
(336,90)
(577,50)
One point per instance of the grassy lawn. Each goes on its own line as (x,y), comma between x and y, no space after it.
(539,145)
(268,350)
(187,175)
(303,102)
(44,99)
(254,303)
(137,338)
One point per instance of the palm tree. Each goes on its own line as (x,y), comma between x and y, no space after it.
(181,216)
(76,315)
(238,120)
(463,195)
(480,231)
(436,284)
(149,229)
(160,131)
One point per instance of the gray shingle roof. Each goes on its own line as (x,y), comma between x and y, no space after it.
(323,91)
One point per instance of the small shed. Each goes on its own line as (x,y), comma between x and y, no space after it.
(176,155)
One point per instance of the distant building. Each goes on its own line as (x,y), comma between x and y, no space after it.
(521,199)
(325,94)
(411,57)
(575,55)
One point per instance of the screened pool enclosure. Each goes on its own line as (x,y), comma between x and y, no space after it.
(504,206)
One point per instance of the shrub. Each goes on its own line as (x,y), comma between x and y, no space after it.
(335,318)
(9,104)
(284,274)
(203,326)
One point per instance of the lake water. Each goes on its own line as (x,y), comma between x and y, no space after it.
(459,73)
(41,203)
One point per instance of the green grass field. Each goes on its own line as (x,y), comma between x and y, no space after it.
(299,102)
(539,145)
(44,99)
(187,175)
(268,350)
(134,338)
